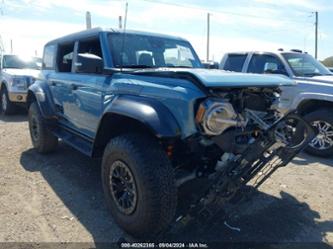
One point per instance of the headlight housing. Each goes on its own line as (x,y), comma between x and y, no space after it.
(215,116)
(19,83)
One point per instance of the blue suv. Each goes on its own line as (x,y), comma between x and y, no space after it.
(143,103)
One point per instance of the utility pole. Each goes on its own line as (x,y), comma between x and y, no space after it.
(208,34)
(88,20)
(120,22)
(316,35)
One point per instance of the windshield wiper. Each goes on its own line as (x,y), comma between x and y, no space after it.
(312,74)
(12,67)
(138,66)
(179,66)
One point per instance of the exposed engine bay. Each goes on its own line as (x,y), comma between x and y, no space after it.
(255,140)
(234,118)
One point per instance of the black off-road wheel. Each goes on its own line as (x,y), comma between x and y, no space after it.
(322,144)
(6,106)
(138,182)
(42,139)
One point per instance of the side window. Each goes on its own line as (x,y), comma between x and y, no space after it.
(48,57)
(65,57)
(261,63)
(235,62)
(92,46)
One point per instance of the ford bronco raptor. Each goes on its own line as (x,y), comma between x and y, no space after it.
(143,103)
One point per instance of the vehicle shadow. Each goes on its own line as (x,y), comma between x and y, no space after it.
(21,116)
(262,218)
(305,159)
(76,180)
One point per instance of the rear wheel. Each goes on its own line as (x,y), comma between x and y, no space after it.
(138,182)
(42,139)
(6,106)
(322,144)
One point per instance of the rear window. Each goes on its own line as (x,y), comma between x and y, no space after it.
(235,62)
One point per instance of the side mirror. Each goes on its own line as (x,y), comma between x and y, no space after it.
(88,63)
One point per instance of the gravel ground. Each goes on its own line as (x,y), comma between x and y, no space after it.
(58,198)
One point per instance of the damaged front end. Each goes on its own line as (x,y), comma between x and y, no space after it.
(255,140)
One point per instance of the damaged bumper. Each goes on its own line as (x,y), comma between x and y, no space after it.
(274,148)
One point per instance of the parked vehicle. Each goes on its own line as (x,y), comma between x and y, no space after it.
(16,75)
(313,96)
(144,104)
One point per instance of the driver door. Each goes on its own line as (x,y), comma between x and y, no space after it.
(86,106)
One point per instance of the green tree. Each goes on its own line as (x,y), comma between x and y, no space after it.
(328,62)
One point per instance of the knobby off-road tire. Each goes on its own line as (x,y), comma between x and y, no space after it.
(6,106)
(325,118)
(42,139)
(149,176)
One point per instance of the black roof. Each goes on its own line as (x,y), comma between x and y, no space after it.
(95,32)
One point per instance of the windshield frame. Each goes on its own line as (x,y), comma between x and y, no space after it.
(320,67)
(197,63)
(21,60)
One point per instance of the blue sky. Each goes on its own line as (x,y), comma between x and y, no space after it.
(235,25)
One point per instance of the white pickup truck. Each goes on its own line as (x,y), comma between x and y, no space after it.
(312,97)
(16,75)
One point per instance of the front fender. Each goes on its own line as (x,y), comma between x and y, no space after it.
(149,112)
(293,97)
(40,92)
(311,96)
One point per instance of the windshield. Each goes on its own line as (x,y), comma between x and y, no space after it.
(14,61)
(305,65)
(141,51)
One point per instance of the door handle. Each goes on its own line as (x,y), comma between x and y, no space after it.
(74,87)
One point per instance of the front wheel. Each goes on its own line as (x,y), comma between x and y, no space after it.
(42,139)
(322,144)
(138,183)
(6,106)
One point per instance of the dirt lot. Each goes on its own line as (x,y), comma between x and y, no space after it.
(59,198)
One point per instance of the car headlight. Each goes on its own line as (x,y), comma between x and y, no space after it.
(215,116)
(19,83)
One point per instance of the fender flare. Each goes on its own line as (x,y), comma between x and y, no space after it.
(40,92)
(150,112)
(305,97)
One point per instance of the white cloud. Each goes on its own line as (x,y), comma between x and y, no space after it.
(305,4)
(266,18)
(220,45)
(103,9)
(30,36)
